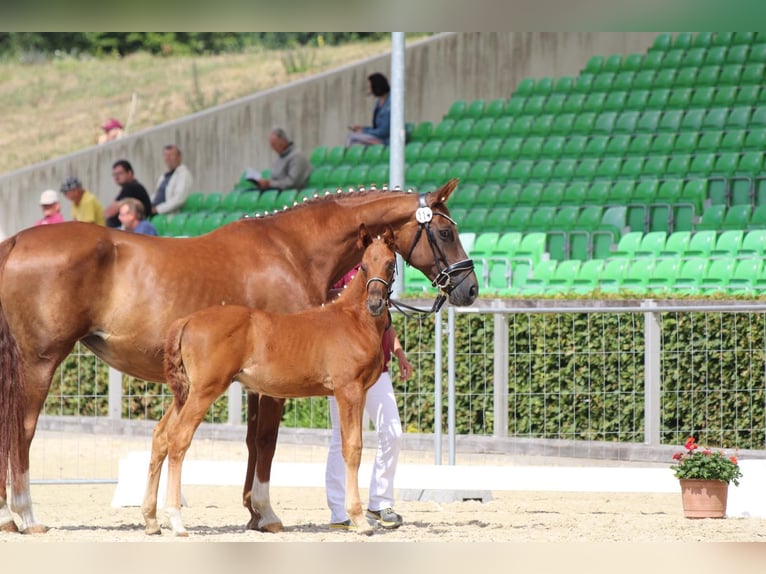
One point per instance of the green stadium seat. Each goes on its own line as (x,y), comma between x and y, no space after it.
(230,200)
(318,155)
(733,140)
(469,151)
(702,164)
(532,246)
(728,243)
(511,147)
(735,217)
(502,127)
(475,109)
(712,218)
(750,163)
(448,150)
(541,273)
(586,168)
(739,38)
(515,106)
(519,217)
(525,87)
(616,101)
(574,146)
(702,242)
(622,192)
(637,98)
(534,105)
(660,99)
(673,59)
(678,98)
(740,118)
(564,169)
(553,146)
(542,169)
(632,167)
(662,144)
(632,62)
(563,85)
(562,124)
(411,151)
(490,149)
(495,108)
(611,275)
(522,125)
(664,275)
(212,201)
(670,121)
(552,193)
(587,277)
(617,145)
(354,155)
(575,193)
(703,97)
(707,76)
(757,52)
(594,102)
(508,244)
(683,40)
(676,244)
(457,110)
(726,164)
(652,60)
(482,128)
(574,102)
(665,78)
(690,274)
(745,273)
(543,86)
(648,121)
(554,104)
(461,129)
(583,84)
(443,130)
(637,275)
(566,217)
(532,147)
(753,243)
(628,244)
(530,195)
(521,170)
(598,191)
(662,43)
(195,202)
(626,122)
(747,96)
(678,165)
(752,74)
(484,244)
(541,218)
(435,173)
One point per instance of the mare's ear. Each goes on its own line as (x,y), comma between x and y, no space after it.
(442,194)
(389,237)
(364,238)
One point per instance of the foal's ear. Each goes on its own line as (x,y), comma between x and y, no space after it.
(389,237)
(364,238)
(442,194)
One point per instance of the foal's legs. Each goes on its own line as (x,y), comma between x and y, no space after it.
(350,400)
(159,453)
(179,433)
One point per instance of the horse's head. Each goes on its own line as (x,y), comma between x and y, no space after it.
(430,242)
(378,267)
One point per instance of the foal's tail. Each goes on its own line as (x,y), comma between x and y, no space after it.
(175,371)
(12,393)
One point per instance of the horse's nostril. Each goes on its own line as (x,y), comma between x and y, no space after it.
(473,291)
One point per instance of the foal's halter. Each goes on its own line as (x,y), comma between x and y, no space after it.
(445,280)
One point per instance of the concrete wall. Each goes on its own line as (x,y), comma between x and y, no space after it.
(219,143)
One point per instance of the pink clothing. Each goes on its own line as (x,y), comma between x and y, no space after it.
(48,219)
(387,342)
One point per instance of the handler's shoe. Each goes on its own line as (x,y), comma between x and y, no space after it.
(385,518)
(345,525)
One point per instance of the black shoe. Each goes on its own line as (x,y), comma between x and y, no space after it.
(345,525)
(386,518)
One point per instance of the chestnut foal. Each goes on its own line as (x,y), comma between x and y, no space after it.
(333,349)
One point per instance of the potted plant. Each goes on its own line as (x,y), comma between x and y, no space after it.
(704,476)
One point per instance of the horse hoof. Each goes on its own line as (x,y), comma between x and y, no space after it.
(273,528)
(9,527)
(181,534)
(253,523)
(35,529)
(152,531)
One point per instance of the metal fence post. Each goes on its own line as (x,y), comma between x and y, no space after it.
(652,351)
(500,387)
(115,394)
(438,387)
(451,382)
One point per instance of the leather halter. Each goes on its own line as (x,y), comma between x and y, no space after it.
(444,280)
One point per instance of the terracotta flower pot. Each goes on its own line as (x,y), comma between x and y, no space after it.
(704,498)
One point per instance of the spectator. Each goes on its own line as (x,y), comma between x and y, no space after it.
(49,202)
(291,168)
(380,405)
(122,172)
(380,130)
(85,206)
(132,216)
(174,186)
(113,130)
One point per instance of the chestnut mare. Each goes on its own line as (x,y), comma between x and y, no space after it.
(119,292)
(339,346)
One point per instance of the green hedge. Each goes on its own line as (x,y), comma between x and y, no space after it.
(571,376)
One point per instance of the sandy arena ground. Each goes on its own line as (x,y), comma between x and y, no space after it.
(77,512)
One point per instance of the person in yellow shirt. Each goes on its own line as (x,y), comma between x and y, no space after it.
(85,206)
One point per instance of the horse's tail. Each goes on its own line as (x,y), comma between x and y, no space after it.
(175,371)
(12,392)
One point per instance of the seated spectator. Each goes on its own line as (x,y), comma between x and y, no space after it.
(290,170)
(49,202)
(174,186)
(113,130)
(380,130)
(122,172)
(132,216)
(85,206)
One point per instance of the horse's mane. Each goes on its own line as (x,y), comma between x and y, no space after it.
(327,196)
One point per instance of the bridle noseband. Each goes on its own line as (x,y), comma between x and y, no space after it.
(444,280)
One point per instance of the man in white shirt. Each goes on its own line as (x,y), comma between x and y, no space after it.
(174,186)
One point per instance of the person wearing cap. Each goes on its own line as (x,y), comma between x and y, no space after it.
(174,186)
(85,206)
(49,202)
(132,217)
(122,172)
(112,130)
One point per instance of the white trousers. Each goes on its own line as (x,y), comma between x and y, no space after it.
(381,408)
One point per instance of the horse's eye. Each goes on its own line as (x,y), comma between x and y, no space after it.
(446,234)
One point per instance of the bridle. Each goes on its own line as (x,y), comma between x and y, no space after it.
(446,279)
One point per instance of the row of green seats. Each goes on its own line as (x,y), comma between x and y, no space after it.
(586,123)
(594,145)
(705,243)
(249,202)
(588,169)
(556,193)
(678,58)
(189,224)
(715,75)
(720,96)
(685,40)
(690,275)
(738,216)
